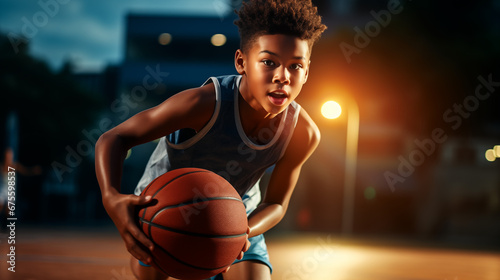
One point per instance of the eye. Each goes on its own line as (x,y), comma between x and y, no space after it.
(268,62)
(296,66)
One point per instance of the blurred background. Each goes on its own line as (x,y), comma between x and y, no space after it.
(422,78)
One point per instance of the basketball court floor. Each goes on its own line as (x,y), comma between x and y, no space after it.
(62,253)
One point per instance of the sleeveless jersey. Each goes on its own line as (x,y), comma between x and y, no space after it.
(223,147)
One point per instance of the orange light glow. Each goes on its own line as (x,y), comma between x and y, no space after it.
(331,110)
(165,39)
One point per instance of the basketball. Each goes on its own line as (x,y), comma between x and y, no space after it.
(197,222)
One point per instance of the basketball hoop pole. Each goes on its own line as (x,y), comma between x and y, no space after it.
(351,154)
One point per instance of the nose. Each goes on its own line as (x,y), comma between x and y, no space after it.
(281,76)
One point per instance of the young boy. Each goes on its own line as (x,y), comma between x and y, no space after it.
(236,126)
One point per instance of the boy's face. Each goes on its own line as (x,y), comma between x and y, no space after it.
(276,67)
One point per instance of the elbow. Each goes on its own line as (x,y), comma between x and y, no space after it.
(110,137)
(315,137)
(266,216)
(101,147)
(100,141)
(283,208)
(105,139)
(279,210)
(280,213)
(109,141)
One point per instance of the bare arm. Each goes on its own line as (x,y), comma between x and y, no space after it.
(189,109)
(285,175)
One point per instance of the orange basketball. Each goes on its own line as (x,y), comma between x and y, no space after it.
(197,222)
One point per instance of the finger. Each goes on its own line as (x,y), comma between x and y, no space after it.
(135,250)
(247,246)
(141,200)
(227,269)
(138,235)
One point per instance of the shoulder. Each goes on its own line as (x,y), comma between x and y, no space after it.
(198,104)
(191,108)
(306,131)
(198,94)
(305,138)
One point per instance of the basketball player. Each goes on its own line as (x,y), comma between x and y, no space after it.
(236,126)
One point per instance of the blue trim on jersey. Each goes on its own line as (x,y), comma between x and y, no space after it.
(222,146)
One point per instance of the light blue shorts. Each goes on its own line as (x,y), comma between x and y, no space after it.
(256,252)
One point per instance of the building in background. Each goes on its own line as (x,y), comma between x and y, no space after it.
(168,54)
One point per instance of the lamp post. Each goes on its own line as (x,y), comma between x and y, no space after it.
(328,110)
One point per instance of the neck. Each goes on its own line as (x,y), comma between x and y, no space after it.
(253,117)
(249,107)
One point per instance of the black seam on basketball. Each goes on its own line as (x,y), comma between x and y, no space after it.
(160,268)
(188,264)
(144,191)
(191,202)
(184,204)
(175,178)
(149,229)
(149,185)
(151,224)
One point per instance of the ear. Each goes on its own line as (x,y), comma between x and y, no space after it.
(307,72)
(239,62)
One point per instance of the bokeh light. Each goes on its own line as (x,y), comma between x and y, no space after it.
(490,155)
(370,193)
(331,110)
(218,40)
(165,39)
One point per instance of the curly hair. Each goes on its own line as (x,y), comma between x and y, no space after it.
(290,17)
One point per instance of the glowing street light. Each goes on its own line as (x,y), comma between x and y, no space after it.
(332,110)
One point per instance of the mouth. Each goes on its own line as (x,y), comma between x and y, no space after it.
(278,97)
